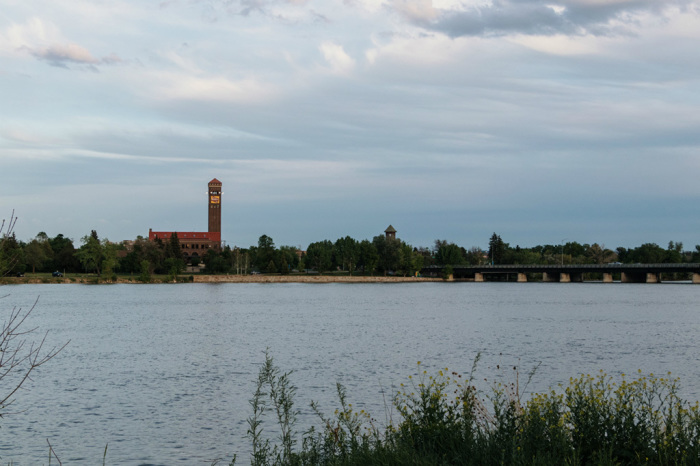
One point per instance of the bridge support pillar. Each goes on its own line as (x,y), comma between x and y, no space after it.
(696,278)
(607,277)
(653,277)
(549,277)
(564,277)
(478,277)
(522,278)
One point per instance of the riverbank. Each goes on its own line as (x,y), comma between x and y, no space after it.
(258,278)
(306,279)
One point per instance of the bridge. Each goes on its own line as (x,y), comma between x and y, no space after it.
(628,273)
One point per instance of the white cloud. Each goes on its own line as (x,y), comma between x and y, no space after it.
(416,10)
(59,54)
(17,37)
(561,44)
(336,57)
(419,51)
(179,86)
(44,41)
(534,94)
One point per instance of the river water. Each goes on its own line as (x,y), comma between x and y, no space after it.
(162,374)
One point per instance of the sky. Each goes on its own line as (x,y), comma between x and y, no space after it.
(543,121)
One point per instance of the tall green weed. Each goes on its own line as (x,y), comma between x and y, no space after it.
(443,419)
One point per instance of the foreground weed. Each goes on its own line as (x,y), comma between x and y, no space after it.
(445,420)
(280,397)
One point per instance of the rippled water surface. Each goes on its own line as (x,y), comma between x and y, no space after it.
(163,373)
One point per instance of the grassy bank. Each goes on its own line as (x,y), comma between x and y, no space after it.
(40,278)
(444,419)
(90,279)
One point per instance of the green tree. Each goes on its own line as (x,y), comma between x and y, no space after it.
(576,250)
(346,251)
(410,261)
(368,257)
(319,255)
(448,253)
(696,254)
(174,266)
(38,252)
(63,255)
(599,254)
(215,263)
(265,254)
(240,261)
(520,255)
(91,253)
(143,250)
(497,249)
(110,259)
(145,275)
(389,251)
(172,248)
(12,260)
(475,256)
(427,257)
(674,252)
(647,253)
(288,258)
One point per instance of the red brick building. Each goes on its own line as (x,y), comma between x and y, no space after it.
(196,243)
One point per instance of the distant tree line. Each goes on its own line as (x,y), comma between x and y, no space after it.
(380,255)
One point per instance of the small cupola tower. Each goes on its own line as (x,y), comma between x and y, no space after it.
(390,232)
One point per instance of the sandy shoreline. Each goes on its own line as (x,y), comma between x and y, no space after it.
(306,279)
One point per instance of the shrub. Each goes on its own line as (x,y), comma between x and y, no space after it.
(444,419)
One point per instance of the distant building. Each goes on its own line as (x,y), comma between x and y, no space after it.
(194,243)
(390,232)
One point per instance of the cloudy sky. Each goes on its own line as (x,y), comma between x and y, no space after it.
(543,121)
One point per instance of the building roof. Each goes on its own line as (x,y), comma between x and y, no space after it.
(185,235)
(215,181)
(390,229)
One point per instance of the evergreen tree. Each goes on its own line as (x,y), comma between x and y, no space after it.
(497,249)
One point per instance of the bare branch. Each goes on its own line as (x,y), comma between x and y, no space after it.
(19,358)
(52,452)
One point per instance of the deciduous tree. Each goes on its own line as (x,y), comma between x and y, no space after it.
(91,253)
(346,252)
(368,256)
(38,252)
(319,255)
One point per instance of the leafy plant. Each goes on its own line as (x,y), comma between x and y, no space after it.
(445,419)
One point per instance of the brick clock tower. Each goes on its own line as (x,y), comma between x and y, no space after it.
(215,206)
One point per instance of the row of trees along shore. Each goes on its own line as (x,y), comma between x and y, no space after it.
(381,255)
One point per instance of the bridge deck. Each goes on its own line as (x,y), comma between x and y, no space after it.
(649,273)
(572,268)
